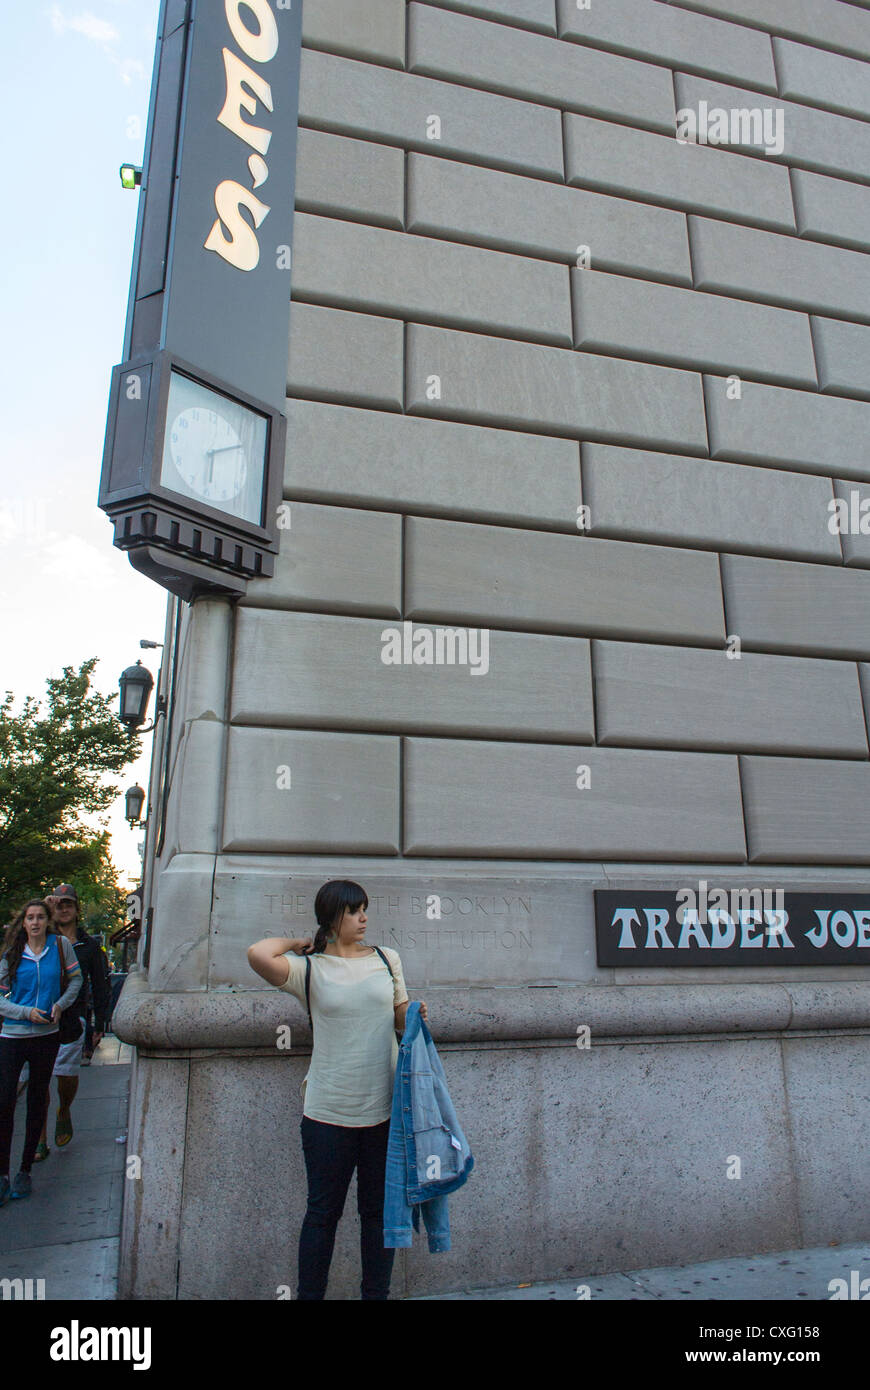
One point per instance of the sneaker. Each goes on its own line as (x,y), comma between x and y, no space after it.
(5,1191)
(21,1186)
(86,1061)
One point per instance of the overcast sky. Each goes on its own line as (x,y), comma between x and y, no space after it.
(73,107)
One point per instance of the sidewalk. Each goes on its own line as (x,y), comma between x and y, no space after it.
(790,1275)
(67,1232)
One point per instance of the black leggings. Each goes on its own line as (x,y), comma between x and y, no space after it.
(41,1053)
(331,1154)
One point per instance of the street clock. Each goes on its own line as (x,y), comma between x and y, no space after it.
(214,449)
(194,456)
(192,477)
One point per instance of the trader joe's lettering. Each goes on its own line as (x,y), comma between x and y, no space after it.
(245,89)
(655,929)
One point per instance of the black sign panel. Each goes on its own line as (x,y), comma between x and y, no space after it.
(194,457)
(227,299)
(728,926)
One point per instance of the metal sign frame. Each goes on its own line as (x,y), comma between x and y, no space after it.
(210,286)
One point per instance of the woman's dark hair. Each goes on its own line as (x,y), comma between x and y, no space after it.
(330,904)
(16,936)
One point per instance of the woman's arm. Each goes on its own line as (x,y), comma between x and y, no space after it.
(7,1008)
(10,1010)
(402,1009)
(266,957)
(74,979)
(16,1011)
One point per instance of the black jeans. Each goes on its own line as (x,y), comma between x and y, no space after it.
(41,1053)
(331,1154)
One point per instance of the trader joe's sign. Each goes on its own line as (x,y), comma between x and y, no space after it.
(708,926)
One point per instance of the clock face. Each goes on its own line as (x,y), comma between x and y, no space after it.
(208,454)
(214,450)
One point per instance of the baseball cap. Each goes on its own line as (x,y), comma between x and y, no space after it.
(65,890)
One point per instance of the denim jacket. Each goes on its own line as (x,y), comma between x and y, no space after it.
(427,1153)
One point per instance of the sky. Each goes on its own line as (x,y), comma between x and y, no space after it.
(73,107)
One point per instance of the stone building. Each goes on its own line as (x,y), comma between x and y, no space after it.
(586,393)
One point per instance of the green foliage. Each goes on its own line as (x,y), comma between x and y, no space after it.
(54,769)
(103,903)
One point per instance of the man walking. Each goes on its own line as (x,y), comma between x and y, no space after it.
(63,904)
(101,965)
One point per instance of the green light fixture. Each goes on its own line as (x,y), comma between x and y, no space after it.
(131,176)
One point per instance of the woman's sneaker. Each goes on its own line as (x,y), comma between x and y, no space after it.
(22,1186)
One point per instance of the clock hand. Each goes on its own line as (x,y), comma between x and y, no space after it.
(227,448)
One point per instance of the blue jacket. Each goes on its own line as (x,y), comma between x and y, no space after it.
(37,986)
(427,1153)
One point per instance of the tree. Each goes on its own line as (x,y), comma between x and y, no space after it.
(104,903)
(53,774)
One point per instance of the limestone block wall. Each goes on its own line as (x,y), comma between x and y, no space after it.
(458,388)
(521,310)
(563,382)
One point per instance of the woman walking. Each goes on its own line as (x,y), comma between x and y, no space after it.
(35,961)
(358,1000)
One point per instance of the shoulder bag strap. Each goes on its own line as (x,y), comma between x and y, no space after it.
(64,977)
(384,959)
(392,976)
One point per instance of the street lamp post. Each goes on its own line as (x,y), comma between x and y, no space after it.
(136,685)
(135,800)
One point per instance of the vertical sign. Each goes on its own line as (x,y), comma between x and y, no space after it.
(227,302)
(194,456)
(212,265)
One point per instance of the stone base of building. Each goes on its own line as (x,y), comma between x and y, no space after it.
(703,1121)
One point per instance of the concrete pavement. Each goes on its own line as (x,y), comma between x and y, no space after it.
(790,1275)
(67,1232)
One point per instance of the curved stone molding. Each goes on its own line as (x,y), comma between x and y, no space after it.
(158,1022)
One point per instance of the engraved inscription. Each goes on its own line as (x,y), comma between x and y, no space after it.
(480,906)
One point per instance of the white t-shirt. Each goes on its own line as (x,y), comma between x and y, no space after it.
(353,1061)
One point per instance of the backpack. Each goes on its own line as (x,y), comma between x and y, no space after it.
(70,1027)
(308,982)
